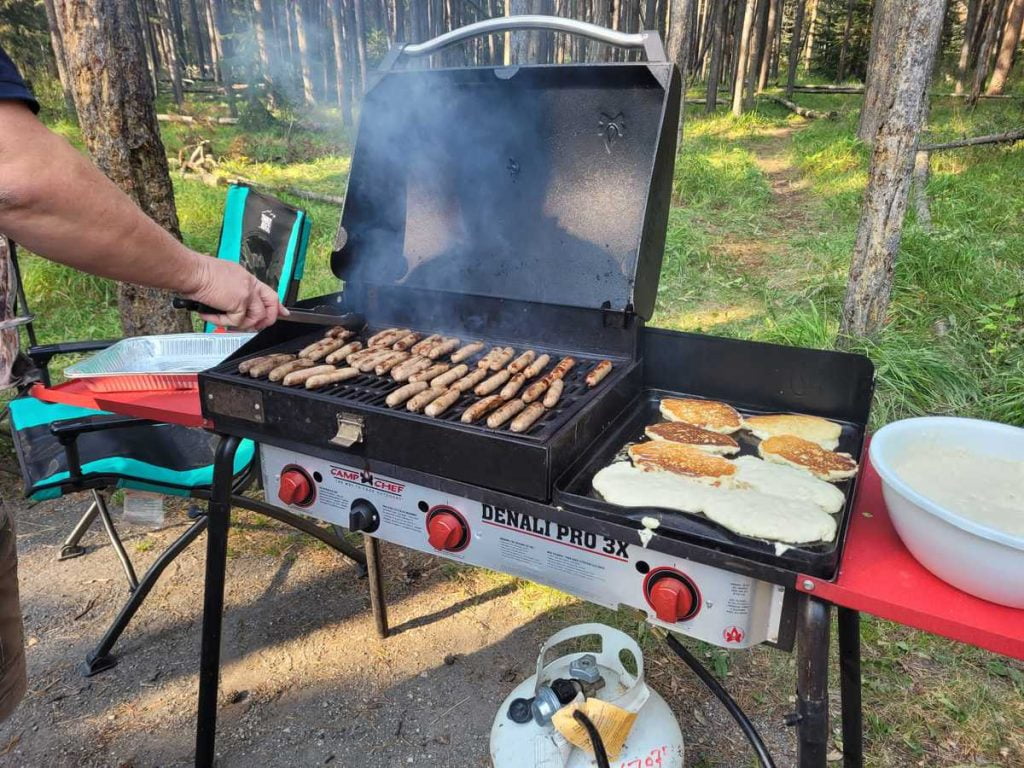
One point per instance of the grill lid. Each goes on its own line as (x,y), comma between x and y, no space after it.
(540,183)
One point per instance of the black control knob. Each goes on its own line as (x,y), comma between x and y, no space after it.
(363,517)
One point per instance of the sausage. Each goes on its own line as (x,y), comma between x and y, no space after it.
(481,407)
(430,373)
(368,363)
(372,341)
(335,377)
(506,412)
(598,372)
(406,341)
(389,362)
(535,390)
(485,361)
(422,347)
(443,403)
(299,377)
(492,384)
(511,389)
(328,346)
(339,355)
(306,350)
(522,362)
(466,352)
(525,420)
(448,378)
(402,394)
(423,399)
(442,349)
(389,338)
(554,392)
(283,370)
(250,366)
(564,366)
(466,383)
(403,371)
(502,359)
(537,366)
(337,332)
(361,354)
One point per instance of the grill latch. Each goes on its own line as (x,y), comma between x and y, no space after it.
(350,430)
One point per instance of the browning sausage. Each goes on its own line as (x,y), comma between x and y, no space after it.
(506,412)
(422,347)
(501,359)
(466,352)
(368,363)
(306,350)
(442,349)
(423,399)
(480,408)
(430,373)
(389,362)
(450,377)
(525,420)
(485,361)
(324,349)
(335,377)
(443,403)
(340,354)
(372,341)
(388,338)
(283,370)
(511,389)
(564,366)
(492,384)
(535,390)
(537,366)
(299,377)
(466,383)
(402,344)
(598,372)
(409,367)
(402,394)
(265,364)
(554,392)
(522,362)
(337,332)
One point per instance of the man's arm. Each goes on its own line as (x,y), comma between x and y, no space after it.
(59,205)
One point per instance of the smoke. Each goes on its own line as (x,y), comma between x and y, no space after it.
(527,184)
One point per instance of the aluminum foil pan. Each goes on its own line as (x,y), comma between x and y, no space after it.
(156,362)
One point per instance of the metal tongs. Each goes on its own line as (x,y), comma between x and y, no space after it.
(351,321)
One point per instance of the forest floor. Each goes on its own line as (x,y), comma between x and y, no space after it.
(758,246)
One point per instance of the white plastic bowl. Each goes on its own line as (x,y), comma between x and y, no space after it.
(976,558)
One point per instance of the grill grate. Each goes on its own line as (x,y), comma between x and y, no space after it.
(371,390)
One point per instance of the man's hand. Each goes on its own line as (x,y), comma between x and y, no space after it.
(247,303)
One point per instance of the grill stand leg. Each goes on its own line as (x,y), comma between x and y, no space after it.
(850,682)
(811,717)
(115,541)
(100,658)
(219,515)
(71,547)
(378,600)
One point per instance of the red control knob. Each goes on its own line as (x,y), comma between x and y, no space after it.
(295,487)
(445,531)
(672,599)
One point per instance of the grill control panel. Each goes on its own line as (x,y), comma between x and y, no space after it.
(716,606)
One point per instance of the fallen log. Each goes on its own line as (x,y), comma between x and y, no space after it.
(828,89)
(803,111)
(190,120)
(992,138)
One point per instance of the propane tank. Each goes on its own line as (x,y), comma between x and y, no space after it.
(523,736)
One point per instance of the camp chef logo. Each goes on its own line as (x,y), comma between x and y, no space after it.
(733,634)
(564,534)
(266,221)
(363,477)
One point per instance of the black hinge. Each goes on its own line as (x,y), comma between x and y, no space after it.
(616,318)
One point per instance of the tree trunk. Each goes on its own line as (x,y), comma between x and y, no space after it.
(178,34)
(719,11)
(114,97)
(305,64)
(794,45)
(758,38)
(992,25)
(679,40)
(1011,38)
(259,23)
(398,9)
(226,46)
(774,13)
(57,43)
(910,54)
(360,33)
(518,46)
(811,30)
(173,51)
(773,72)
(195,30)
(963,64)
(152,54)
(844,50)
(742,56)
(885,25)
(344,93)
(215,52)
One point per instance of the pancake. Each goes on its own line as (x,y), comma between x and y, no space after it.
(750,513)
(821,431)
(706,414)
(662,456)
(687,434)
(787,482)
(630,486)
(797,452)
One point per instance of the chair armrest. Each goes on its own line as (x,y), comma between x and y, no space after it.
(68,430)
(43,353)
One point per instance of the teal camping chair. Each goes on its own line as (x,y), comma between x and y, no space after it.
(64,449)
